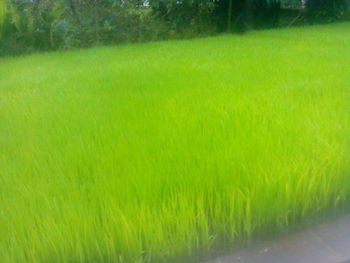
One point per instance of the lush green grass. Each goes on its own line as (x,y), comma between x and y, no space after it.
(151,152)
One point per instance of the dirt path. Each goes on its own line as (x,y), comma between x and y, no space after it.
(324,243)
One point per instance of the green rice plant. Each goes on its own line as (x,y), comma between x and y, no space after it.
(163,151)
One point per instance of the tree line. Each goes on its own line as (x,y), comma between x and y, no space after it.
(28,25)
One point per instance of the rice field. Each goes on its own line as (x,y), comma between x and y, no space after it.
(163,151)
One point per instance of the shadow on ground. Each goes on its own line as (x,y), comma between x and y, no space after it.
(325,243)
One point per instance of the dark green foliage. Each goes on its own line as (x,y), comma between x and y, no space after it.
(237,21)
(266,13)
(185,16)
(28,26)
(326,10)
(247,14)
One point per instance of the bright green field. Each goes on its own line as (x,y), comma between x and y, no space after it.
(152,152)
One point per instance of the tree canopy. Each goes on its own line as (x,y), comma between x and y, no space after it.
(50,24)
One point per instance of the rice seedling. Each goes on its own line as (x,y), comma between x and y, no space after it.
(155,152)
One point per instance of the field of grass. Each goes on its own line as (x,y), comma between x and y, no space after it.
(155,152)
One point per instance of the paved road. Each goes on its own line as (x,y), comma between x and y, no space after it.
(324,243)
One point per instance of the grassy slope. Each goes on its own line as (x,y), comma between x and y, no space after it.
(149,152)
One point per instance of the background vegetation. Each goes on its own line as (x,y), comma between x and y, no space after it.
(153,152)
(29,25)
